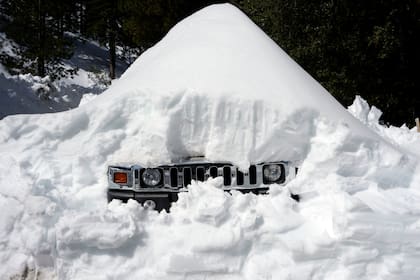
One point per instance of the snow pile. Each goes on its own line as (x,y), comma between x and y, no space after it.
(402,136)
(360,209)
(203,74)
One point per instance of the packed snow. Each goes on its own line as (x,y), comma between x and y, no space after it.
(215,86)
(401,136)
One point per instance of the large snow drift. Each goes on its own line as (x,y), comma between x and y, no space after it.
(217,86)
(234,91)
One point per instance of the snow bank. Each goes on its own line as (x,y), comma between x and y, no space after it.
(201,92)
(404,137)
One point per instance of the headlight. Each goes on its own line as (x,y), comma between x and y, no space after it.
(272,173)
(151,177)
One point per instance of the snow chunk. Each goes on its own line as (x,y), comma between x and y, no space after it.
(401,136)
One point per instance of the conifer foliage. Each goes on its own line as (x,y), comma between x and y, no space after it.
(39,27)
(369,48)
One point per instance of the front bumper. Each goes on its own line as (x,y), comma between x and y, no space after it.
(162,200)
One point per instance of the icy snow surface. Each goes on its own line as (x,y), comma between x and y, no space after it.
(216,86)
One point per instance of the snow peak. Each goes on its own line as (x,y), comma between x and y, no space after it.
(158,187)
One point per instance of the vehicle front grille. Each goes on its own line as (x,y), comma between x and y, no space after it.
(181,176)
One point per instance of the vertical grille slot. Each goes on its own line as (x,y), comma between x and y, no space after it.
(200,174)
(252,174)
(239,177)
(174,177)
(187,176)
(213,171)
(227,179)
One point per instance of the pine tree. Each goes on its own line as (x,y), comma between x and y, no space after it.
(37,27)
(102,17)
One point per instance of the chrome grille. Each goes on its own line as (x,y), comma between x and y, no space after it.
(227,176)
(213,171)
(200,171)
(239,177)
(181,176)
(187,176)
(178,176)
(173,177)
(252,175)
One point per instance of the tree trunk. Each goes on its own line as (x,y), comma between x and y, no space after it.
(82,17)
(41,40)
(112,54)
(111,40)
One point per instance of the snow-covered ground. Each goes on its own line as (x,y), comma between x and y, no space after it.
(216,86)
(28,94)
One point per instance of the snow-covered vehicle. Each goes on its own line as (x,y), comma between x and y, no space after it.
(158,187)
(215,86)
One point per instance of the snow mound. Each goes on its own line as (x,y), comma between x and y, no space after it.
(404,137)
(214,86)
(226,91)
(219,51)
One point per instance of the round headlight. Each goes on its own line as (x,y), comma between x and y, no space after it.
(272,172)
(151,177)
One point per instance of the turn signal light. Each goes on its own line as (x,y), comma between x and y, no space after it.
(120,177)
